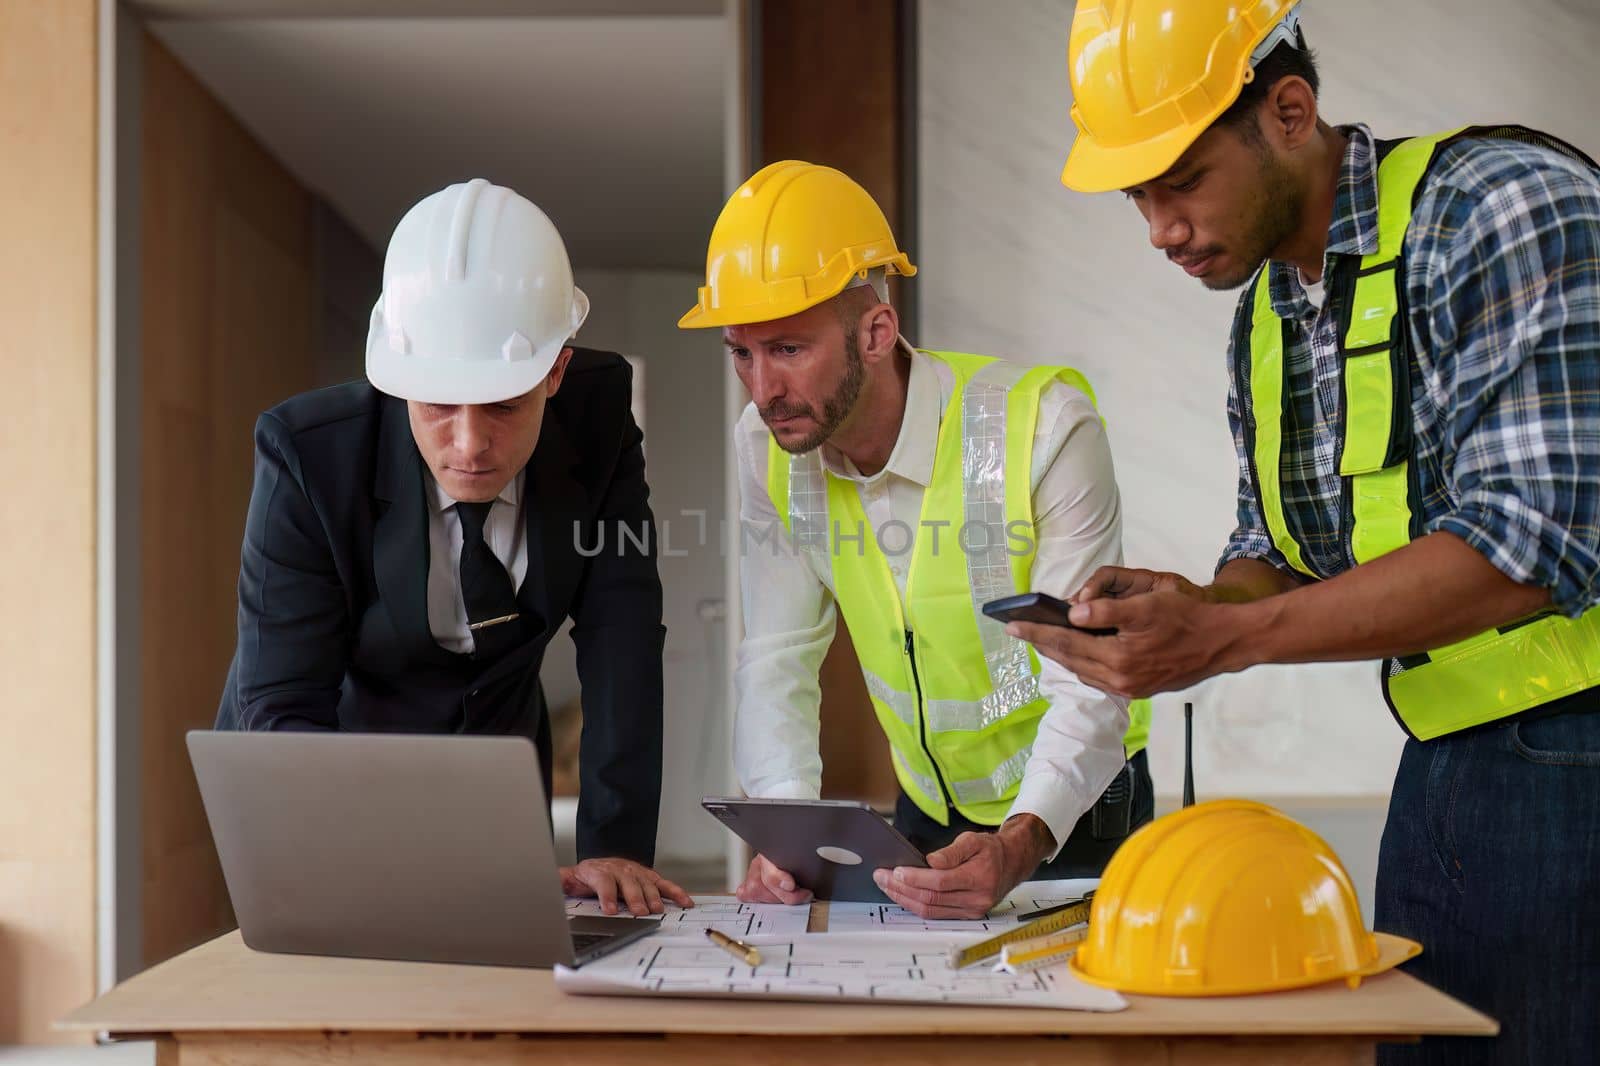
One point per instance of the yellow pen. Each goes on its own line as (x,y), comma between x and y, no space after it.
(738,948)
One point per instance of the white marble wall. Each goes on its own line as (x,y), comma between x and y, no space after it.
(1013,264)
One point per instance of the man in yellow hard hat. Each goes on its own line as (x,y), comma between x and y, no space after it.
(907,488)
(1415,401)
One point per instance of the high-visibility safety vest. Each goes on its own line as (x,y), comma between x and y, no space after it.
(958,698)
(1486,677)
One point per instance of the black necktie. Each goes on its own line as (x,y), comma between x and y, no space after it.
(485,587)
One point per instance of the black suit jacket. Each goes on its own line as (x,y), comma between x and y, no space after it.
(333,614)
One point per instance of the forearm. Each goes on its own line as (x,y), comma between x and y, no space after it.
(620,747)
(1248,580)
(1078,746)
(620,643)
(1433,592)
(777,723)
(294,629)
(1026,842)
(1077,751)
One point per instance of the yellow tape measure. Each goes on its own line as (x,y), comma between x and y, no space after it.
(1041,951)
(1050,923)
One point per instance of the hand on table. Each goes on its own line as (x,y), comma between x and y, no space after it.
(638,886)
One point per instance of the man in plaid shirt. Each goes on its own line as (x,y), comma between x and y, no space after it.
(1491,854)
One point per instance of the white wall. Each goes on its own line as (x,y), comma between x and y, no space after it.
(1015,265)
(636,313)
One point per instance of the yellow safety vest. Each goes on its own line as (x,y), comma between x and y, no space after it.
(1486,677)
(957,698)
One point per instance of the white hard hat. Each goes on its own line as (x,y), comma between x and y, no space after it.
(477,300)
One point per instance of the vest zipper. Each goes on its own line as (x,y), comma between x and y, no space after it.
(922,723)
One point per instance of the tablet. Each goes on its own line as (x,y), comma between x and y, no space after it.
(829,846)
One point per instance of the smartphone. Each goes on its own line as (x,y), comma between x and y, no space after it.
(1035,607)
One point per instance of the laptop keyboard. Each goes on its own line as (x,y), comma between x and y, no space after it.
(582,942)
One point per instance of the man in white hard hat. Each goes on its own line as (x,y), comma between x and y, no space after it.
(413,541)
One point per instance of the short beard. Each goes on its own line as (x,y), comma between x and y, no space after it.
(837,407)
(1281,200)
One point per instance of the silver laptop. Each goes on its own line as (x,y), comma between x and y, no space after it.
(425,848)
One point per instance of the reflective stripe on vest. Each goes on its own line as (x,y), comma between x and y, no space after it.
(957,698)
(1486,677)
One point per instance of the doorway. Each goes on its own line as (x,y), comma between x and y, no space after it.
(264,152)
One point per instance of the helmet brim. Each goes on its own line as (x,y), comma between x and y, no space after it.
(702,317)
(1094,167)
(452,381)
(1392,951)
(446,380)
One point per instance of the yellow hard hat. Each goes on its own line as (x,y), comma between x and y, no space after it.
(1149,76)
(1228,898)
(791,237)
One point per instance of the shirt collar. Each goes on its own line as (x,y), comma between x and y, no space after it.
(912,457)
(1353,229)
(439,502)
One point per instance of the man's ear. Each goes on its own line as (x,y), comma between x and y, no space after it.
(878,332)
(1290,111)
(552,380)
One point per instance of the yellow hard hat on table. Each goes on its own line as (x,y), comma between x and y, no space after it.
(1228,898)
(792,236)
(1150,76)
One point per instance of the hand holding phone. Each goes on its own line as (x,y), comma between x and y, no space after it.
(1036,607)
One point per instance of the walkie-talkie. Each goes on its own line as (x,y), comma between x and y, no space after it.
(1188,755)
(1112,813)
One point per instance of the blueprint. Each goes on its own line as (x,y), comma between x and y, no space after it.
(888,918)
(862,967)
(723,913)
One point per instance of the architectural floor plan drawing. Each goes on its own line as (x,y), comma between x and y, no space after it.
(875,967)
(1026,898)
(723,913)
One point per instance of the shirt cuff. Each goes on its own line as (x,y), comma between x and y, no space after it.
(1265,553)
(793,789)
(1056,804)
(1526,547)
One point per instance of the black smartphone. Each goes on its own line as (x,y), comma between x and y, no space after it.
(1035,607)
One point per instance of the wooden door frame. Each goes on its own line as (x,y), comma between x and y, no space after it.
(835,82)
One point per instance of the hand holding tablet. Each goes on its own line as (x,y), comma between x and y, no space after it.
(829,847)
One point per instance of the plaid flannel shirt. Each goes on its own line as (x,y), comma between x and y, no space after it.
(1502,291)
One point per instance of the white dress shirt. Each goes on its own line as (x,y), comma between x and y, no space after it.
(504,531)
(789,609)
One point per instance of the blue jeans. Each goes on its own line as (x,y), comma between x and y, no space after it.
(1491,860)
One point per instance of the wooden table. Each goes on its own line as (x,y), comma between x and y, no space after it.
(223,1004)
